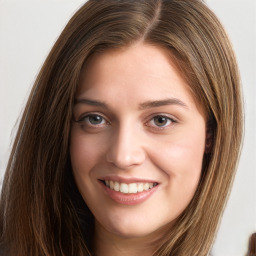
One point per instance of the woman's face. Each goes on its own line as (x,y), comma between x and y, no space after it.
(138,141)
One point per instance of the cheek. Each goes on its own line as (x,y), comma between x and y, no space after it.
(84,151)
(181,158)
(186,155)
(181,162)
(85,155)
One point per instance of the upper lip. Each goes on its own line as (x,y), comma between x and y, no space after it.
(128,180)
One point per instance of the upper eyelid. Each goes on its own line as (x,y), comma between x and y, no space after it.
(171,117)
(84,115)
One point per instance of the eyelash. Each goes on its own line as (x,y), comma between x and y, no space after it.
(85,119)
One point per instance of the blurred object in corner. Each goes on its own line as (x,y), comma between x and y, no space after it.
(252,245)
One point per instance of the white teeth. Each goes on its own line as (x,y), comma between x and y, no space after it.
(116,186)
(140,187)
(131,188)
(124,188)
(146,186)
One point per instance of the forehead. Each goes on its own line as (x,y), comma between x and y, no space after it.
(141,68)
(152,60)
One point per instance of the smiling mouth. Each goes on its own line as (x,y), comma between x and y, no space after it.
(131,188)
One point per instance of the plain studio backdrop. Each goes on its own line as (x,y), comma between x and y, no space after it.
(28,29)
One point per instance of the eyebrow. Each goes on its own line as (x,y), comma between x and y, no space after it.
(159,103)
(91,102)
(144,105)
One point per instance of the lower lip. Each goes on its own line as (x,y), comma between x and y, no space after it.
(129,199)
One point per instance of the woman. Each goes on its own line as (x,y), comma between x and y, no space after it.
(130,139)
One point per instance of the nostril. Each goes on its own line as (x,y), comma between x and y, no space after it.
(125,157)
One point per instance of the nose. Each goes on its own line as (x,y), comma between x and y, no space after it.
(126,148)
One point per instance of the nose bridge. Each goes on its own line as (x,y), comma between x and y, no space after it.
(126,148)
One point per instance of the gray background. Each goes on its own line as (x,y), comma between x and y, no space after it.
(28,30)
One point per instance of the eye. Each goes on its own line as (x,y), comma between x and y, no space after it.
(161,121)
(93,120)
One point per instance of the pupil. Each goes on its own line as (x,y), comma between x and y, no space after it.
(95,119)
(160,120)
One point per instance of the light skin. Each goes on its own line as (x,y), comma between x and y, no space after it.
(135,122)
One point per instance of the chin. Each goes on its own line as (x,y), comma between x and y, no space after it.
(131,228)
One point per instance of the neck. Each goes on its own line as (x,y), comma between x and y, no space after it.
(109,244)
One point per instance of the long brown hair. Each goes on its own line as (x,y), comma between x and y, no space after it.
(41,211)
